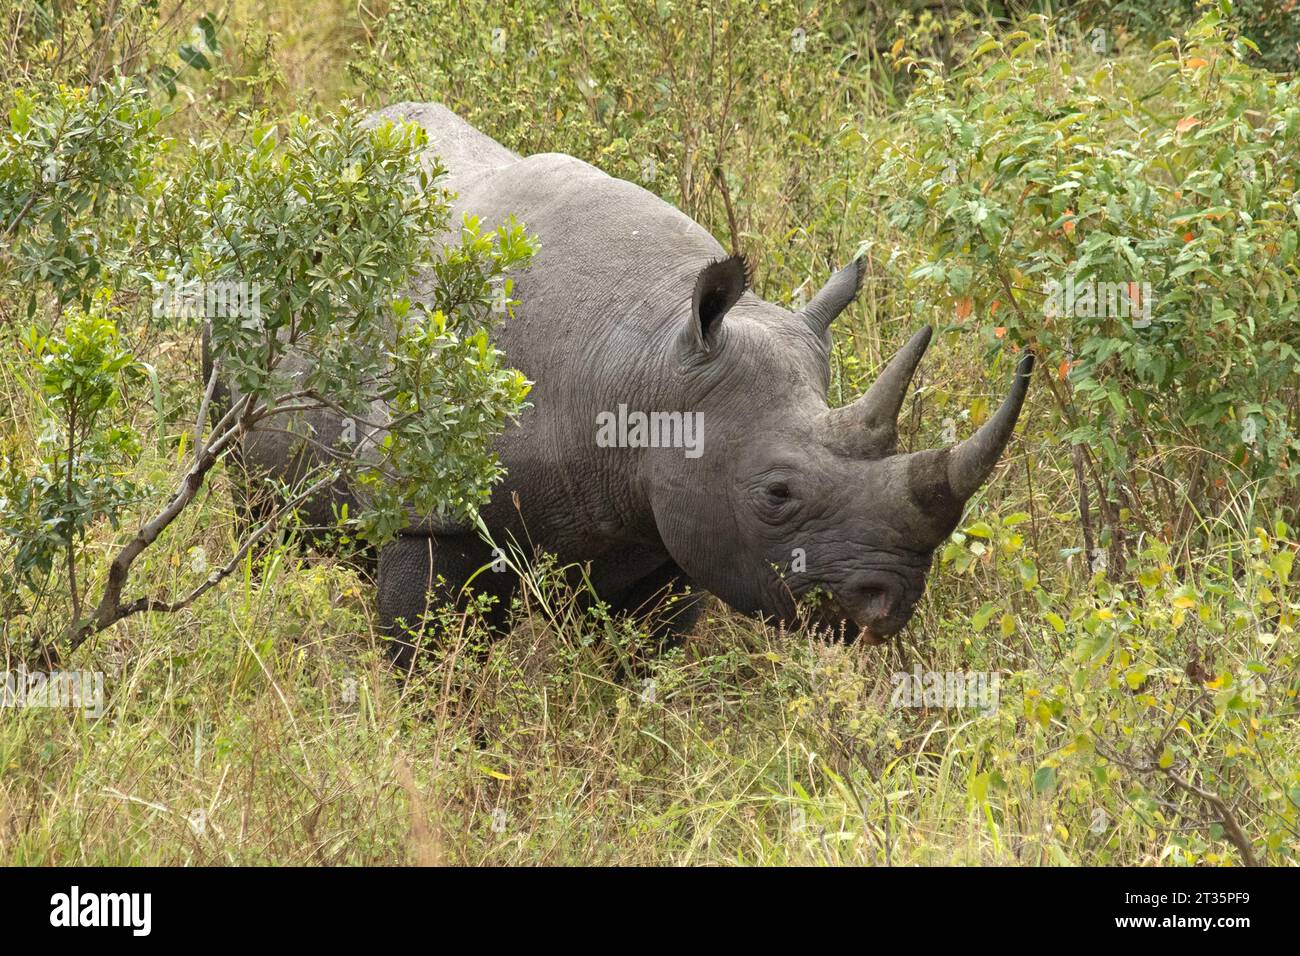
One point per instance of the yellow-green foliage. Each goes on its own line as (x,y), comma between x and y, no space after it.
(1145,692)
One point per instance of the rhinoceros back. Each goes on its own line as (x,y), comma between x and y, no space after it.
(464,151)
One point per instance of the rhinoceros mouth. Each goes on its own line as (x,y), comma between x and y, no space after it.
(820,613)
(838,621)
(834,623)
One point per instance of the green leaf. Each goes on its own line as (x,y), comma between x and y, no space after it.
(1044,779)
(980,619)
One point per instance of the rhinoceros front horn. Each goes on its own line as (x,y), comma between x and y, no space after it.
(972,461)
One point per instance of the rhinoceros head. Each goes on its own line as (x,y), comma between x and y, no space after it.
(789,496)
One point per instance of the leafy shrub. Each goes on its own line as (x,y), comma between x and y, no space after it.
(330,231)
(80,472)
(85,44)
(1271,24)
(1171,697)
(1033,164)
(320,242)
(75,166)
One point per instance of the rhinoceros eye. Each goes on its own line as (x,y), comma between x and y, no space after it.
(778,491)
(777,501)
(774,497)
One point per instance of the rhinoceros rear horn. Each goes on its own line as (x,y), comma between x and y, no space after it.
(718,287)
(972,461)
(869,426)
(835,296)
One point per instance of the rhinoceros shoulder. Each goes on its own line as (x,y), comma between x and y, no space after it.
(555,194)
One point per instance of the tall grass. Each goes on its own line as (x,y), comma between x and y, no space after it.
(263,725)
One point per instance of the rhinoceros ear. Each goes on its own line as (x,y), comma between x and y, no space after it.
(719,286)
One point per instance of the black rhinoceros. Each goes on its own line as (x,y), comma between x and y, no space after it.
(679,434)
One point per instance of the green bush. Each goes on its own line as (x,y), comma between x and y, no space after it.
(1170,693)
(75,167)
(80,472)
(316,246)
(1168,189)
(332,231)
(1270,24)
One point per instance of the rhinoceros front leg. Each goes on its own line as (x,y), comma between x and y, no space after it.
(666,601)
(418,573)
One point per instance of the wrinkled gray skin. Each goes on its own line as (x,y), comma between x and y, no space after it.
(631,302)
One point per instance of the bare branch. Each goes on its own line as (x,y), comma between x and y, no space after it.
(1224,813)
(200,446)
(162,605)
(109,610)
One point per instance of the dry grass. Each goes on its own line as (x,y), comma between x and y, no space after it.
(263,725)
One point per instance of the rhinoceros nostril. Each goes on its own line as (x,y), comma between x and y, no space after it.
(868,604)
(875,599)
